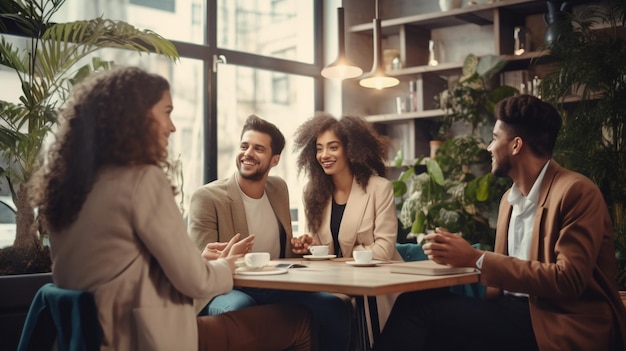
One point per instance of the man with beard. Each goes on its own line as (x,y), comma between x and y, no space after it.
(251,202)
(552,276)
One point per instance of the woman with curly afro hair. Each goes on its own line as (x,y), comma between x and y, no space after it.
(348,204)
(116,230)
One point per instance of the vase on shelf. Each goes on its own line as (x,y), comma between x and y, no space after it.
(557,20)
(446,5)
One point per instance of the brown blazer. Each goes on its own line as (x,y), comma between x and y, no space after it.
(571,274)
(129,246)
(369,221)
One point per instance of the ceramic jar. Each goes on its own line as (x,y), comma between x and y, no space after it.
(446,5)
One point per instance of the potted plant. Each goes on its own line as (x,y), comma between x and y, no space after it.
(458,191)
(588,83)
(56,57)
(47,69)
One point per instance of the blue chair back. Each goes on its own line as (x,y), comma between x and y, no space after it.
(70,316)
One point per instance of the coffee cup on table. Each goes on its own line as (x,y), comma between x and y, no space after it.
(257,260)
(319,250)
(362,256)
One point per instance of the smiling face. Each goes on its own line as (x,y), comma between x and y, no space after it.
(331,153)
(161,112)
(255,158)
(500,149)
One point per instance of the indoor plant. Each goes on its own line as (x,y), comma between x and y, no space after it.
(588,84)
(54,60)
(458,191)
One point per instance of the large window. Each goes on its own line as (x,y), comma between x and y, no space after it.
(270,64)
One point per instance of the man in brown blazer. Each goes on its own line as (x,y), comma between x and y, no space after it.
(552,276)
(253,203)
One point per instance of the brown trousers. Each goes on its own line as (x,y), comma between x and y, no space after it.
(274,327)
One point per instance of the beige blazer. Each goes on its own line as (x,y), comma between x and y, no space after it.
(129,246)
(369,221)
(571,274)
(217,213)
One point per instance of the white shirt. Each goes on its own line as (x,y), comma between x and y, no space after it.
(523,218)
(263,223)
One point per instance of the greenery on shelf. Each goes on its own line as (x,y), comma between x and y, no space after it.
(450,195)
(591,72)
(56,58)
(473,98)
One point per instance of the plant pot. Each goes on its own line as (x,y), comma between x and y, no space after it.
(434,146)
(622,295)
(16,294)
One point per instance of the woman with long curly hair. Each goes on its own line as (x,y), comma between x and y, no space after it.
(348,204)
(116,230)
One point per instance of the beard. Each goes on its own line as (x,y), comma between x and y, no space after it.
(501,168)
(257,175)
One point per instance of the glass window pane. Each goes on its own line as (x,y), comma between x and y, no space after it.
(186,145)
(243,91)
(267,28)
(182,20)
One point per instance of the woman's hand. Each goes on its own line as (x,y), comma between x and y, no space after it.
(301,244)
(235,247)
(213,251)
(238,247)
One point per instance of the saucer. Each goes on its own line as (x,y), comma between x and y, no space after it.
(262,271)
(372,263)
(318,258)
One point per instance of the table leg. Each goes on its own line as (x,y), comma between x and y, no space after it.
(373,307)
(363,340)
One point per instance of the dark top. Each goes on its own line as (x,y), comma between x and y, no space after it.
(336,215)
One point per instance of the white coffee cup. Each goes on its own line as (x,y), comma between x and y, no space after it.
(257,260)
(362,256)
(319,250)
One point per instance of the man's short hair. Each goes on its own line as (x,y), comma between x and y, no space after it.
(535,121)
(258,124)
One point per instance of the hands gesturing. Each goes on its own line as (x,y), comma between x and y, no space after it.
(231,250)
(300,245)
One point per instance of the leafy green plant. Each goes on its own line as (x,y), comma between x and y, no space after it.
(449,195)
(473,98)
(458,191)
(588,83)
(55,59)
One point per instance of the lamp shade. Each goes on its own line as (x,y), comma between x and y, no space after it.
(342,67)
(377,78)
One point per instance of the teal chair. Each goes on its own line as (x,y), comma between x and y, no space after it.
(414,252)
(69,316)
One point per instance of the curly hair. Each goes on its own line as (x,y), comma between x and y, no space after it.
(365,152)
(105,123)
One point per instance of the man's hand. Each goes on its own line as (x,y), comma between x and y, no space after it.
(446,248)
(213,251)
(301,244)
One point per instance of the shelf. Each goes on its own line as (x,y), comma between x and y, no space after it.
(480,14)
(405,116)
(444,69)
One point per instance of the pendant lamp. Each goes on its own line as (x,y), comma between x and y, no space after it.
(342,67)
(377,78)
